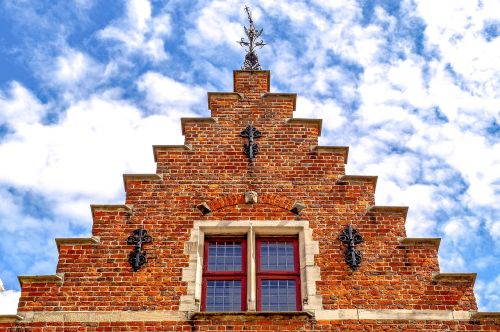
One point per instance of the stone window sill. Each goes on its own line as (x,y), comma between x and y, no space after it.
(252,315)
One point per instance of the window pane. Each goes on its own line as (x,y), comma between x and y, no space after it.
(278,295)
(276,256)
(224,256)
(223,295)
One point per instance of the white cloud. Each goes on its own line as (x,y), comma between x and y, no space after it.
(8,302)
(218,23)
(168,95)
(461,231)
(458,37)
(19,107)
(83,152)
(452,261)
(325,109)
(494,229)
(74,66)
(488,293)
(139,32)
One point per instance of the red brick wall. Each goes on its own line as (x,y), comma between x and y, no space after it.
(259,325)
(215,170)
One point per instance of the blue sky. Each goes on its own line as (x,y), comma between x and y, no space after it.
(413,87)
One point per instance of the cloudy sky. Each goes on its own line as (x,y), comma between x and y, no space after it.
(412,86)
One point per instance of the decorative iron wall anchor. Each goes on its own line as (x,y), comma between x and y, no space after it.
(137,257)
(251,148)
(251,58)
(351,237)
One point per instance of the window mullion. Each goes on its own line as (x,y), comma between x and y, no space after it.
(251,270)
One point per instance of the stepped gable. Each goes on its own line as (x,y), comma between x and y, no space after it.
(209,187)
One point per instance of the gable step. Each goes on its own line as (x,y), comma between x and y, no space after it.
(318,123)
(359,178)
(218,99)
(292,96)
(59,277)
(389,209)
(455,277)
(141,177)
(110,208)
(486,316)
(10,318)
(343,150)
(72,241)
(170,148)
(420,241)
(185,121)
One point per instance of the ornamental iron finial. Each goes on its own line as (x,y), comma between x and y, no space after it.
(251,58)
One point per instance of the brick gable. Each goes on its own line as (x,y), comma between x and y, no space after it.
(398,285)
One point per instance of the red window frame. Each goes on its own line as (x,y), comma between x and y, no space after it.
(225,275)
(282,275)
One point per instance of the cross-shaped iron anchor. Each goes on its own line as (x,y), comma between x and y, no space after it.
(351,237)
(251,148)
(137,257)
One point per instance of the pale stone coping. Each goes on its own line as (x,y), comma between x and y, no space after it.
(94,240)
(329,149)
(390,209)
(281,94)
(308,248)
(338,314)
(455,277)
(183,147)
(225,94)
(361,178)
(58,277)
(102,316)
(420,241)
(408,314)
(267,72)
(486,316)
(184,121)
(319,315)
(317,122)
(392,314)
(140,177)
(251,71)
(110,207)
(10,318)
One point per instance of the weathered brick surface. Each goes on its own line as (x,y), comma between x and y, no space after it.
(258,326)
(215,170)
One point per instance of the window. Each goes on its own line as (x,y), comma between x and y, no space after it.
(225,275)
(278,276)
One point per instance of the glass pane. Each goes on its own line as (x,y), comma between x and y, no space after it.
(278,295)
(276,256)
(224,256)
(223,295)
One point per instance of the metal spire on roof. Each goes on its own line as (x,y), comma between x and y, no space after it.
(251,58)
